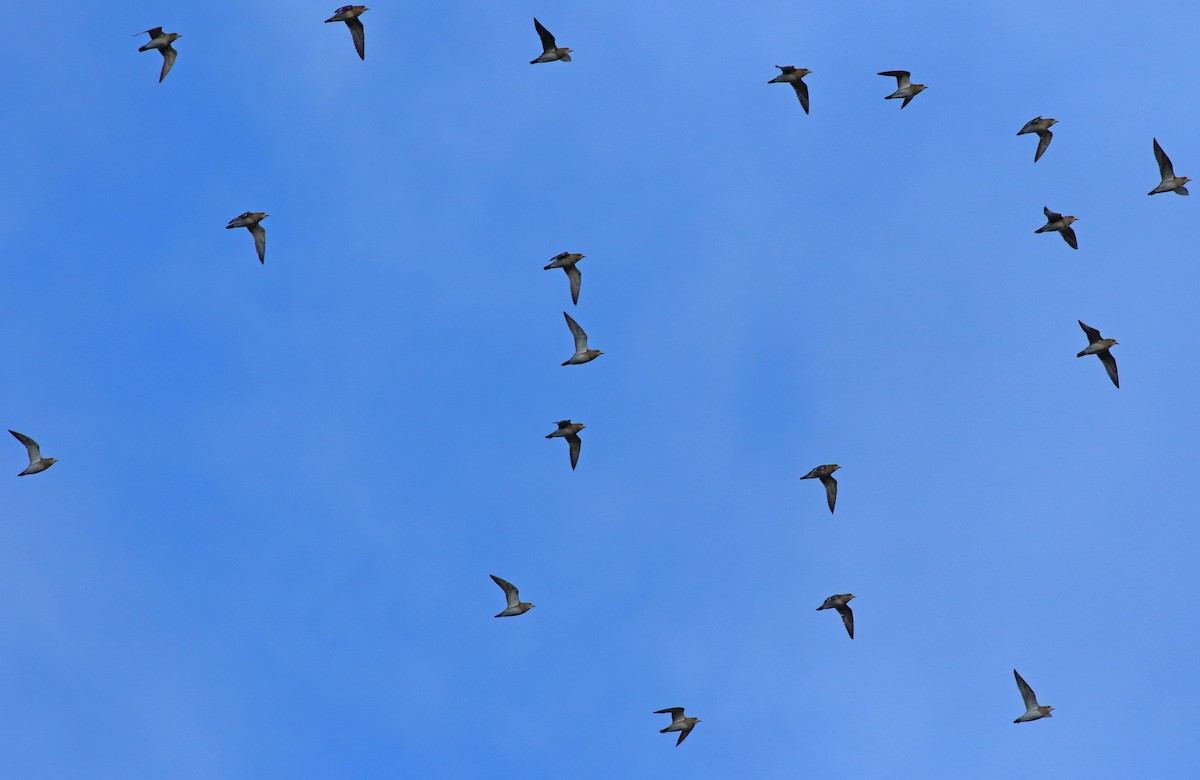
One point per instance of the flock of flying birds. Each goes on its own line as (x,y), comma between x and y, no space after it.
(551,52)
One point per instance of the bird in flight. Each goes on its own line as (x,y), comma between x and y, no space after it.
(678,723)
(550,51)
(582,353)
(36,461)
(349,14)
(1041,126)
(1062,225)
(1033,711)
(569,431)
(904,87)
(162,41)
(825,474)
(794,76)
(1099,347)
(567,261)
(841,603)
(250,220)
(515,605)
(1170,182)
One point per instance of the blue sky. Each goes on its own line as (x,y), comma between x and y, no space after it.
(265,550)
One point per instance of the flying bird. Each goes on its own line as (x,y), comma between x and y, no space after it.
(349,14)
(1170,182)
(825,474)
(794,76)
(841,603)
(569,431)
(36,461)
(904,88)
(515,605)
(567,261)
(250,220)
(550,51)
(162,41)
(582,353)
(1041,126)
(1060,224)
(678,723)
(1033,711)
(1099,347)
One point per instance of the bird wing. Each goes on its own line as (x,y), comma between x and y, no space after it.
(1044,137)
(1028,128)
(901,76)
(1110,365)
(577,332)
(830,491)
(575,443)
(360,39)
(802,93)
(847,618)
(1051,216)
(510,590)
(547,39)
(575,277)
(786,69)
(1027,694)
(684,734)
(260,241)
(1068,235)
(675,712)
(1165,169)
(154,32)
(31,446)
(1092,334)
(907,100)
(169,54)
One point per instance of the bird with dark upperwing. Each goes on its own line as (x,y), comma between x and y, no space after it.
(1041,126)
(582,353)
(514,604)
(825,474)
(569,431)
(36,461)
(795,76)
(1099,347)
(162,41)
(904,86)
(567,261)
(550,50)
(1033,711)
(250,220)
(1057,223)
(683,725)
(841,602)
(1170,182)
(349,14)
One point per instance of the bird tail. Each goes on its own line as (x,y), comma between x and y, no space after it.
(565,58)
(1178,191)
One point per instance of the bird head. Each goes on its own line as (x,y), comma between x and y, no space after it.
(1069,220)
(566,50)
(1047,709)
(50,461)
(1049,121)
(917,88)
(1184,179)
(802,72)
(581,426)
(849,596)
(174,36)
(834,467)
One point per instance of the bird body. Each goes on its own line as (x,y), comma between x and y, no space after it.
(1041,126)
(349,14)
(569,431)
(250,220)
(679,722)
(582,353)
(162,41)
(1170,182)
(790,74)
(904,86)
(1056,222)
(825,474)
(1033,711)
(841,602)
(1099,347)
(551,52)
(36,462)
(567,261)
(514,604)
